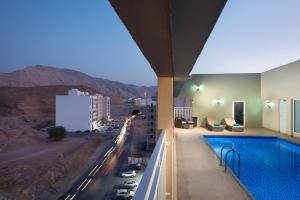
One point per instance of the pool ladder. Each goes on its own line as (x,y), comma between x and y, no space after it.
(234,152)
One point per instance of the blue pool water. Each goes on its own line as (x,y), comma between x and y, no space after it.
(270,166)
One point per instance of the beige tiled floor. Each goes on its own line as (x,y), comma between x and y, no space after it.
(199,175)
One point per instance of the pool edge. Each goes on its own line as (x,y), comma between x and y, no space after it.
(229,170)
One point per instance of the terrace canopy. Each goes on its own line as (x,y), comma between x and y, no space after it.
(171,34)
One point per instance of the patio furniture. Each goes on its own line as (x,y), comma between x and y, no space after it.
(232,125)
(195,120)
(179,122)
(188,126)
(213,124)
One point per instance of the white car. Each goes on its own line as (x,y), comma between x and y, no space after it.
(129,173)
(130,183)
(125,193)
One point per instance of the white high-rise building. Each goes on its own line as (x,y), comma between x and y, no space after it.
(80,111)
(106,108)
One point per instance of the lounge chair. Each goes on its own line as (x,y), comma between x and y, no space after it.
(232,125)
(213,124)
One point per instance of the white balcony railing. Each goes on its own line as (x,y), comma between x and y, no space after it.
(152,185)
(183,112)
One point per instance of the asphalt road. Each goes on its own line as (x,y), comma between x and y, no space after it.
(105,183)
(102,179)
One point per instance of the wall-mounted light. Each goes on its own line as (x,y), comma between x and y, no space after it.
(218,101)
(269,104)
(199,88)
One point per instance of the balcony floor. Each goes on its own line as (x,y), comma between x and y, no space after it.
(199,175)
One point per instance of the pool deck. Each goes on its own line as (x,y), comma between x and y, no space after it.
(199,175)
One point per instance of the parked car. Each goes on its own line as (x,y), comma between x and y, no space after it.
(137,166)
(130,183)
(128,173)
(123,193)
(121,186)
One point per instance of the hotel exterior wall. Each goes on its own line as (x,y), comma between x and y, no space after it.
(206,88)
(276,84)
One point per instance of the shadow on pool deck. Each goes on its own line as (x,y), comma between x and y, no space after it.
(199,175)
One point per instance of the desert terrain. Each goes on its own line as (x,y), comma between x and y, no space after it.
(31,165)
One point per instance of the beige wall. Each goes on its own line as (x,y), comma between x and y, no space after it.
(276,84)
(229,88)
(165,122)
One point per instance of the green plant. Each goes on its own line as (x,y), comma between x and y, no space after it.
(57,133)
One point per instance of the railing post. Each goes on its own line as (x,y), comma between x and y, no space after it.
(222,153)
(239,161)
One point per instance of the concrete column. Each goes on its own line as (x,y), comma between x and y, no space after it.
(165,121)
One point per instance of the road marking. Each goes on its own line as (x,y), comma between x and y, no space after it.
(96,170)
(114,148)
(86,185)
(93,170)
(81,184)
(73,197)
(67,197)
(104,160)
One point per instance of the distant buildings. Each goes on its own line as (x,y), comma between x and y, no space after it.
(137,101)
(80,111)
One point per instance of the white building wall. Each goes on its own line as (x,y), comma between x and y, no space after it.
(99,107)
(106,108)
(81,111)
(72,112)
(276,84)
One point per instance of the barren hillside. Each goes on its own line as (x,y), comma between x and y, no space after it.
(49,76)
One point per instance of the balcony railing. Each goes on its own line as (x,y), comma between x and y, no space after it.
(152,185)
(183,112)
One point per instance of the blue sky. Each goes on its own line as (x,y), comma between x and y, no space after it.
(250,36)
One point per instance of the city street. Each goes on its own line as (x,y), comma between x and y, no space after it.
(105,183)
(103,179)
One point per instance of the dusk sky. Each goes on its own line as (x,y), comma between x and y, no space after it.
(250,36)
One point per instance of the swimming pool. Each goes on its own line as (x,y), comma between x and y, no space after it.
(270,166)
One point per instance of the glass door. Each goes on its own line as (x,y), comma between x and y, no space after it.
(296,116)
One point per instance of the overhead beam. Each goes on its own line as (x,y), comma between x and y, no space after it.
(148,22)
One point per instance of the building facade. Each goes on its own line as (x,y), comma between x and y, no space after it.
(106,108)
(151,122)
(80,111)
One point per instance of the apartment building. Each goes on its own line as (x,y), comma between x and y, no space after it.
(80,111)
(106,108)
(151,123)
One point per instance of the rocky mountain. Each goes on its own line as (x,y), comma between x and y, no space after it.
(39,75)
